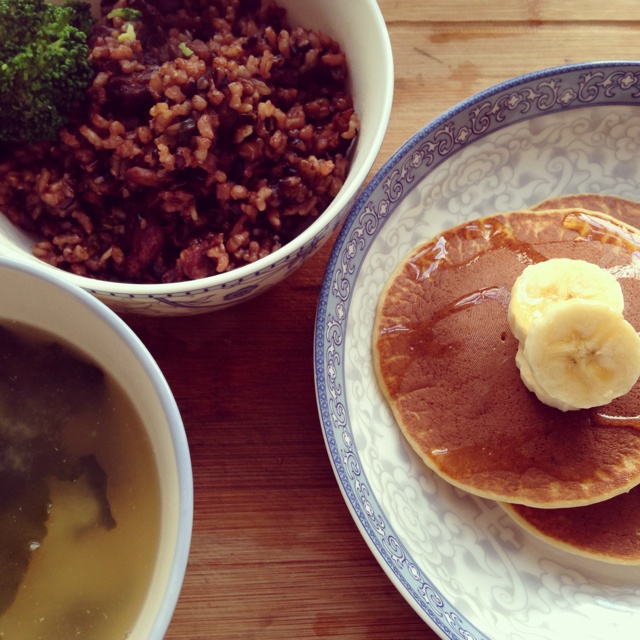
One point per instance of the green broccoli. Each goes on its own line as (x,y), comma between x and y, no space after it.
(82,17)
(44,66)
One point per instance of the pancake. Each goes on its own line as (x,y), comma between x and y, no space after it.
(628,211)
(445,360)
(607,531)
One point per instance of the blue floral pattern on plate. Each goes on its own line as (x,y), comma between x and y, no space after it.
(460,562)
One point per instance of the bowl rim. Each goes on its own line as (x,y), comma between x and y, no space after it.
(345,198)
(175,577)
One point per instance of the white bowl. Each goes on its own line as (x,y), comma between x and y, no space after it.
(30,295)
(360,29)
(460,561)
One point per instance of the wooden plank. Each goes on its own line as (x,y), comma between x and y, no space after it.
(531,11)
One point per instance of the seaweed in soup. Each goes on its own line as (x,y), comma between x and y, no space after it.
(43,385)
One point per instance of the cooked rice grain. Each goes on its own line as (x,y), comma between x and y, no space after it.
(213,134)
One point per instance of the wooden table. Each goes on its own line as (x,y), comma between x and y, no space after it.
(275,552)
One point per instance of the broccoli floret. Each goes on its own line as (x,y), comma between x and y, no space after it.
(82,18)
(44,67)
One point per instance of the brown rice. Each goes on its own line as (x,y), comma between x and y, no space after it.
(212,134)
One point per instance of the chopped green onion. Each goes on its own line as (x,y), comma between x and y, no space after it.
(125,13)
(128,34)
(185,49)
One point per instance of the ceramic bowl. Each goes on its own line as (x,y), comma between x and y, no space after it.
(466,567)
(359,27)
(46,302)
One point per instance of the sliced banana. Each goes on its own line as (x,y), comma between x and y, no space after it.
(545,283)
(581,354)
(531,384)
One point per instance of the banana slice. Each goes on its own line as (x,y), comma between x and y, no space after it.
(581,354)
(529,381)
(545,283)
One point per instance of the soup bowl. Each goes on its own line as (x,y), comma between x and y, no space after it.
(358,26)
(36,300)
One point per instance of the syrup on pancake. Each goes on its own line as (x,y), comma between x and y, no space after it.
(445,359)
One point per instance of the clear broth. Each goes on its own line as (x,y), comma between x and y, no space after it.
(90,466)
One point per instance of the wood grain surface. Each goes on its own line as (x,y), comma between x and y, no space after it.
(275,552)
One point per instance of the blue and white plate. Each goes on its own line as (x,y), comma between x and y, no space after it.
(462,564)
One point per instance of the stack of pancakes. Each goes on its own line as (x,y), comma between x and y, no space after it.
(445,359)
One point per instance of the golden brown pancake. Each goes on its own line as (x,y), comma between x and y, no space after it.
(608,531)
(445,359)
(628,211)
